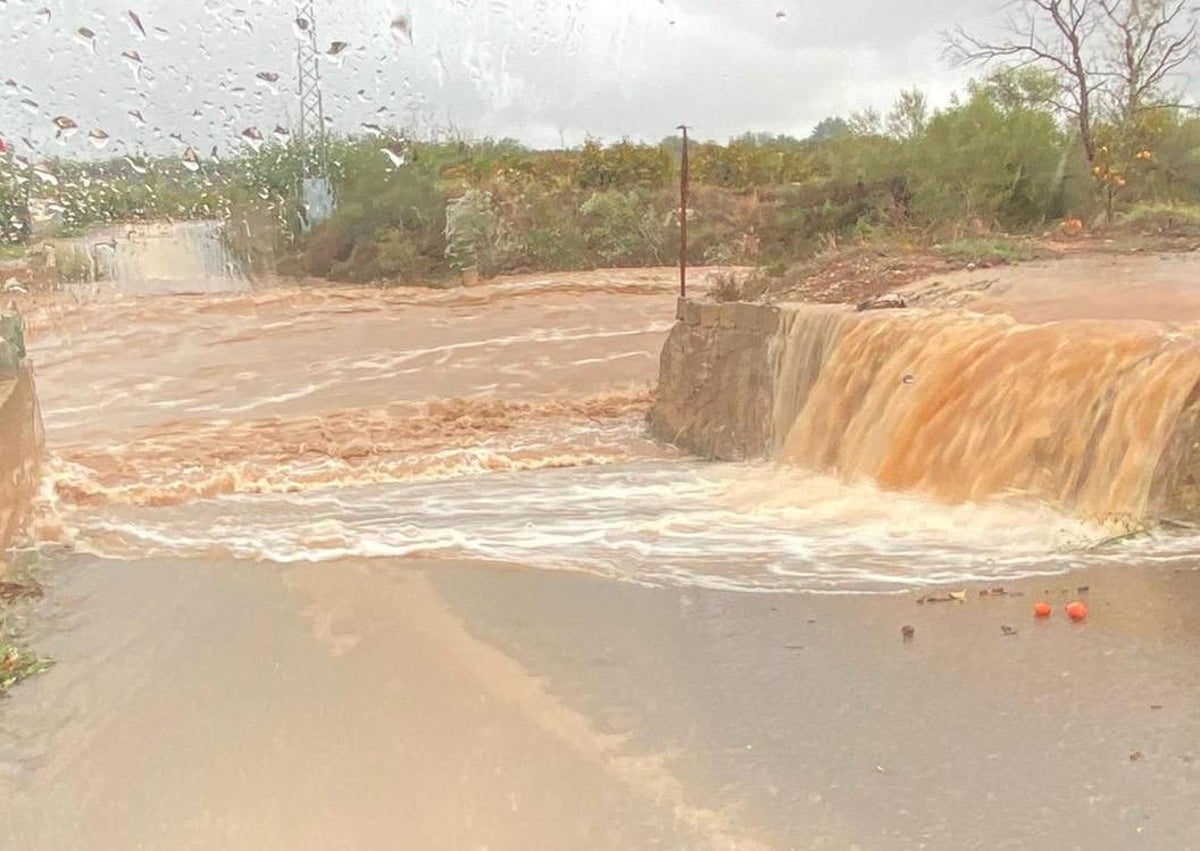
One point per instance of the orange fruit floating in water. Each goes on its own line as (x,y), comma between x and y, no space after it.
(1077,611)
(1042,610)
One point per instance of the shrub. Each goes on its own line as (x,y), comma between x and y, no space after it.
(622,228)
(472,228)
(1164,218)
(984,251)
(724,286)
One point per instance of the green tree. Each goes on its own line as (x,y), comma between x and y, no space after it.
(908,116)
(1114,61)
(829,129)
(984,159)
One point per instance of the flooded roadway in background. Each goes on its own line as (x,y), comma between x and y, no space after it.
(290,609)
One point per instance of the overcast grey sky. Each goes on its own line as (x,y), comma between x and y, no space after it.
(544,71)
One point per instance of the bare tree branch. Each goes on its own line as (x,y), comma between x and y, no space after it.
(1052,34)
(1151,40)
(1114,59)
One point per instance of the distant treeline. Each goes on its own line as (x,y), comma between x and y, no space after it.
(998,158)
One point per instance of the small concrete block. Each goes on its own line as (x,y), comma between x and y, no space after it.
(710,315)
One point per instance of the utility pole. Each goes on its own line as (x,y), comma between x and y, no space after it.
(316,194)
(683,214)
(308,87)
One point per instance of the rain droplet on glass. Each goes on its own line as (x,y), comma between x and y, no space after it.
(268,79)
(337,53)
(253,137)
(402,29)
(135,24)
(99,138)
(191,160)
(396,156)
(66,126)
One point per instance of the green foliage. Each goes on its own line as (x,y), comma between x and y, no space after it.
(985,160)
(73,263)
(1164,218)
(390,226)
(17,662)
(472,228)
(984,251)
(412,211)
(830,129)
(622,228)
(1022,87)
(796,219)
(908,116)
(14,207)
(751,161)
(622,164)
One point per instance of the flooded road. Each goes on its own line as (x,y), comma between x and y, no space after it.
(503,422)
(413,704)
(369,568)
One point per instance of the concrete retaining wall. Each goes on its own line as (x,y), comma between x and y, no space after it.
(21,444)
(716,381)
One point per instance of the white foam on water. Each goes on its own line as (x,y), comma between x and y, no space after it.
(725,526)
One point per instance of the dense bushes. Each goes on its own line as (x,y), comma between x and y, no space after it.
(408,211)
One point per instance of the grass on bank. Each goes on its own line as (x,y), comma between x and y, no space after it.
(1160,218)
(18,587)
(988,251)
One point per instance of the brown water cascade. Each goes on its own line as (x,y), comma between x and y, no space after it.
(1100,417)
(1094,416)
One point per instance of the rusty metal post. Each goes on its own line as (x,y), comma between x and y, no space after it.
(683,215)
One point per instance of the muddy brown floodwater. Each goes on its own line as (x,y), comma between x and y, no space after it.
(377,569)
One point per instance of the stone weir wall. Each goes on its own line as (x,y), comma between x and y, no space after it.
(1099,418)
(21,444)
(717,384)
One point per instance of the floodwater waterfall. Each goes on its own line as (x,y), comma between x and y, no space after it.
(160,257)
(1101,418)
(1078,413)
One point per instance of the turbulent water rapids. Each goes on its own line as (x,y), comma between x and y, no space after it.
(502,422)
